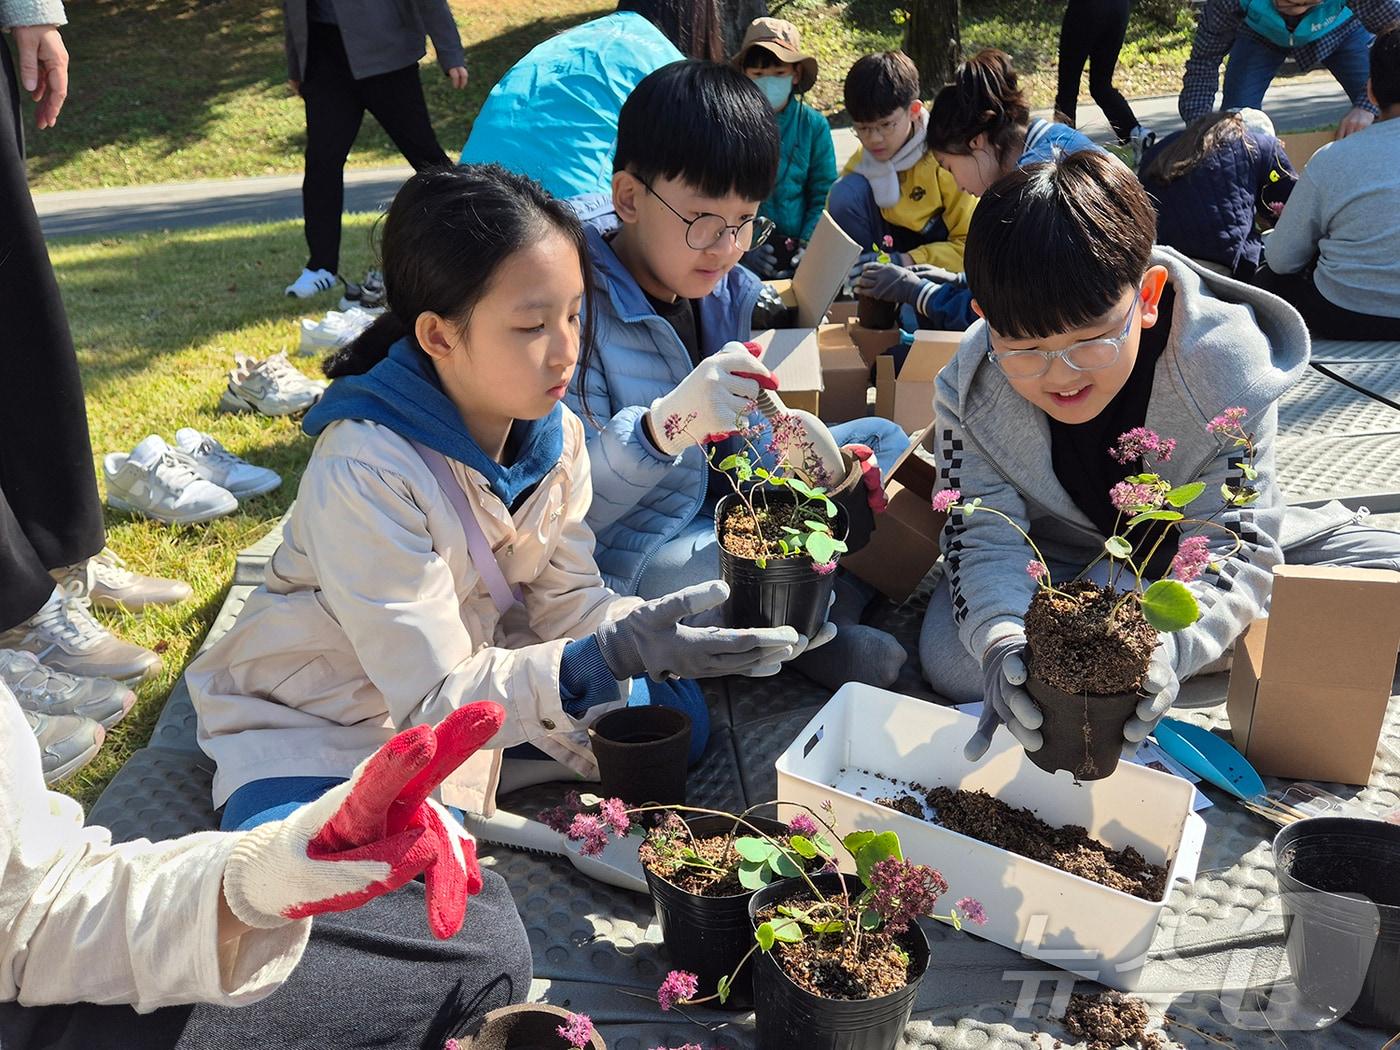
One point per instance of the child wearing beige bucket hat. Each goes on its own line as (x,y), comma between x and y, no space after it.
(772,57)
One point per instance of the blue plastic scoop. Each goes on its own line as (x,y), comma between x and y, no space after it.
(1209,757)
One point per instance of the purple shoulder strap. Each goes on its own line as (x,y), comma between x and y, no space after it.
(483,558)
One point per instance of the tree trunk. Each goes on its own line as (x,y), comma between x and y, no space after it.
(735,16)
(931,39)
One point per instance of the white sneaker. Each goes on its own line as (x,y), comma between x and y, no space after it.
(66,743)
(105,580)
(48,692)
(65,637)
(311,282)
(217,464)
(1141,139)
(338,328)
(273,387)
(163,483)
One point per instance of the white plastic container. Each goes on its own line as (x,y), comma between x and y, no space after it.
(864,735)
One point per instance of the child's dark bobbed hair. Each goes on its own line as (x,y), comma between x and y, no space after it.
(879,84)
(446,233)
(983,98)
(694,26)
(1052,247)
(704,124)
(1385,66)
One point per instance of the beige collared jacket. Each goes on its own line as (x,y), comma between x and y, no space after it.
(373,618)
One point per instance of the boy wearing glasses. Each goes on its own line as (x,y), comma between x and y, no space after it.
(893,187)
(697,153)
(1089,332)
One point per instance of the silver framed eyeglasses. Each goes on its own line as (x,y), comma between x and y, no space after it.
(1085,356)
(706,230)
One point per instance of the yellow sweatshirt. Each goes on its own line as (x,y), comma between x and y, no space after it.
(927,191)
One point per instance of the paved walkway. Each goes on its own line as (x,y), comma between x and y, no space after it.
(1300,103)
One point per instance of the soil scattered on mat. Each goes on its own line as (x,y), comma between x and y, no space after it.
(828,964)
(980,816)
(1074,646)
(1110,1020)
(739,536)
(906,804)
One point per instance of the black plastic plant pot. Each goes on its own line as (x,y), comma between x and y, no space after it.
(876,313)
(1081,732)
(1339,878)
(708,936)
(785,592)
(525,1026)
(642,753)
(788,1016)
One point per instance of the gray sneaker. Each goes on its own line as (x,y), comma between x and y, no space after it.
(65,637)
(273,387)
(109,584)
(48,692)
(66,743)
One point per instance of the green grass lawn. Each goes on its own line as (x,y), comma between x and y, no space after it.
(177,90)
(158,318)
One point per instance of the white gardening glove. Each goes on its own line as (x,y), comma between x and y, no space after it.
(370,835)
(713,401)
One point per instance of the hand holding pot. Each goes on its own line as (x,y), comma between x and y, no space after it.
(1161,688)
(1004,701)
(664,638)
(714,399)
(889,283)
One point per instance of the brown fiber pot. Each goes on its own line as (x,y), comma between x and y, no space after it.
(525,1026)
(876,313)
(1081,733)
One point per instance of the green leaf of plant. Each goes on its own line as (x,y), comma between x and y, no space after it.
(882,847)
(1170,606)
(1118,547)
(1249,472)
(830,508)
(788,931)
(824,846)
(801,488)
(1153,515)
(754,876)
(761,472)
(1185,495)
(816,526)
(784,866)
(722,989)
(803,846)
(791,531)
(869,920)
(754,850)
(730,462)
(765,935)
(744,471)
(821,547)
(762,563)
(856,839)
(830,926)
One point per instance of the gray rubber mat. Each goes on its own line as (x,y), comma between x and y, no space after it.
(1319,406)
(1327,351)
(1360,471)
(158,794)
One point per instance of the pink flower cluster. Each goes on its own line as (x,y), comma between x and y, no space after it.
(687,1046)
(1133,498)
(678,986)
(789,441)
(589,829)
(577,1031)
(1144,444)
(1228,421)
(1192,557)
(972,910)
(803,824)
(1037,571)
(673,426)
(824,568)
(904,891)
(944,499)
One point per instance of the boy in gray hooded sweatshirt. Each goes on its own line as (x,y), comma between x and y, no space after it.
(1060,261)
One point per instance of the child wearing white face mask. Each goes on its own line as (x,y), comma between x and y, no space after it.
(772,57)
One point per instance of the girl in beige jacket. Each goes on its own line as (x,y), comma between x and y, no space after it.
(446,420)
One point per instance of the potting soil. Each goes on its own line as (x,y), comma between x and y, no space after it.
(1110,1020)
(1069,848)
(739,535)
(834,966)
(1072,649)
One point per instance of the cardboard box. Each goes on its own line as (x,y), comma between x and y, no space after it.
(792,354)
(845,376)
(1310,684)
(840,313)
(908,399)
(872,342)
(904,545)
(1301,145)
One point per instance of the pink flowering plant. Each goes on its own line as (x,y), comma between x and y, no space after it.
(778,458)
(1141,500)
(576,1031)
(888,894)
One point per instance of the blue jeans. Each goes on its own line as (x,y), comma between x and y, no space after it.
(692,555)
(1254,63)
(853,208)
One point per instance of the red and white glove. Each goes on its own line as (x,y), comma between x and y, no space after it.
(713,401)
(370,835)
(869,476)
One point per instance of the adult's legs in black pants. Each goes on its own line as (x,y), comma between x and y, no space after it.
(50,513)
(335,106)
(1093,31)
(1324,318)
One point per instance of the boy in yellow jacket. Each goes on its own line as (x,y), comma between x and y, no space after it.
(893,187)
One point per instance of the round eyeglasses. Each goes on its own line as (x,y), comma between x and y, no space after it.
(706,230)
(1084,356)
